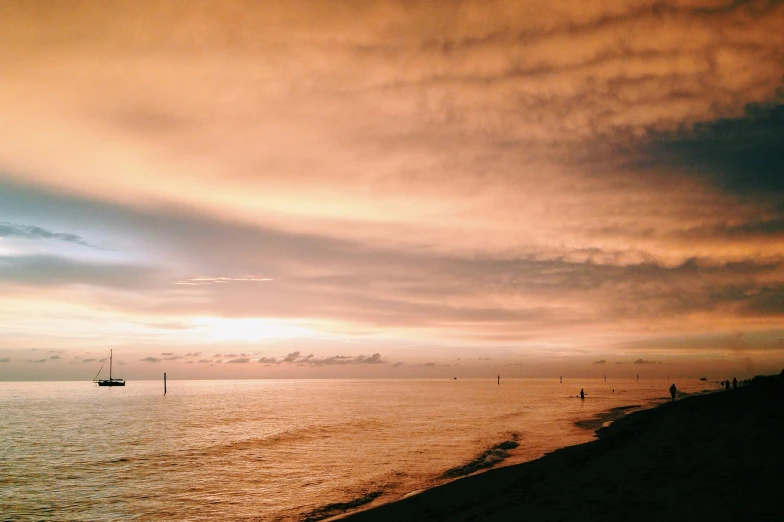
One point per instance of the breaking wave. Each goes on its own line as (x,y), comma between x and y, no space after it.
(602,418)
(337,508)
(484,460)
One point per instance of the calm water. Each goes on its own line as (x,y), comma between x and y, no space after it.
(270,450)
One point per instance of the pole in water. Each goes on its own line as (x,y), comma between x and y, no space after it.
(561,379)
(605,378)
(164,383)
(638,377)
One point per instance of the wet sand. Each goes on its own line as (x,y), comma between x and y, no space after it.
(717,456)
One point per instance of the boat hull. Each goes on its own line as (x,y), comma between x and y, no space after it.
(111,383)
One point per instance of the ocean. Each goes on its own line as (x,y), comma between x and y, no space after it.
(278,450)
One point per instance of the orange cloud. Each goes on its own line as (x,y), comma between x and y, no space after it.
(537,174)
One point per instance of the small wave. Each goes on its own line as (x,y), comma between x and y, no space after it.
(331,510)
(601,418)
(285,437)
(514,414)
(486,459)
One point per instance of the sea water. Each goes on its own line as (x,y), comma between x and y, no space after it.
(276,449)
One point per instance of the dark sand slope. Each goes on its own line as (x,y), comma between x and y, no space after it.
(710,457)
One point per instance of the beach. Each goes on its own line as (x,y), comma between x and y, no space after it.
(715,456)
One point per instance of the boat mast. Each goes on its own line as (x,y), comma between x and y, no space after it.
(110,365)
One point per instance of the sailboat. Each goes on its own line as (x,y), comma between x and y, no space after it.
(110,381)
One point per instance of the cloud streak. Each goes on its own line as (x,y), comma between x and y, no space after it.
(12,230)
(334,360)
(206,280)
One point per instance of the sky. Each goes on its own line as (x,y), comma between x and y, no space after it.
(391,188)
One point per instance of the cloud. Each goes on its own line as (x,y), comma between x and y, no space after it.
(344,360)
(600,362)
(5,360)
(750,230)
(32,232)
(240,360)
(192,354)
(739,154)
(47,270)
(55,357)
(207,280)
(167,353)
(151,359)
(373,359)
(89,359)
(643,361)
(204,361)
(334,360)
(37,360)
(384,287)
(292,357)
(523,174)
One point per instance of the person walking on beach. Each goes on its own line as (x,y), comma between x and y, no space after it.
(582,394)
(735,383)
(727,384)
(673,391)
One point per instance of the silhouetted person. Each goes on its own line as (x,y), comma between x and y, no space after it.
(673,391)
(727,384)
(499,379)
(735,383)
(582,394)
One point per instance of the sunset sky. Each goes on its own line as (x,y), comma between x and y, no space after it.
(391,188)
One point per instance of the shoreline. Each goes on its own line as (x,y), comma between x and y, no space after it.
(491,458)
(704,454)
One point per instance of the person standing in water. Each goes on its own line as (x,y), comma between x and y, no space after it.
(582,393)
(673,391)
(499,380)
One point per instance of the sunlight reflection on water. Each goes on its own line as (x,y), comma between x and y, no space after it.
(270,449)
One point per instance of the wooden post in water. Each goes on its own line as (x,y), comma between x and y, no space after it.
(561,379)
(164,383)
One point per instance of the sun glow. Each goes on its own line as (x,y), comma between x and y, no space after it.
(251,330)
